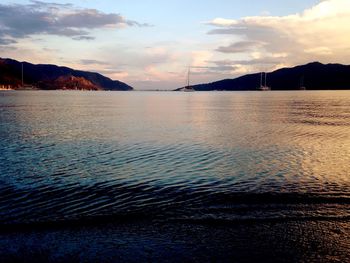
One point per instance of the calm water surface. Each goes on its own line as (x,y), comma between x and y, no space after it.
(174,156)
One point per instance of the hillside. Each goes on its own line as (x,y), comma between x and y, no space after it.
(54,77)
(314,76)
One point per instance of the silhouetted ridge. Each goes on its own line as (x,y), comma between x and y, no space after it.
(54,77)
(312,76)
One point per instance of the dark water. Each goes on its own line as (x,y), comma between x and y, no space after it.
(192,157)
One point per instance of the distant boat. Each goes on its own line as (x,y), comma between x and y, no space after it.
(263,87)
(25,86)
(188,88)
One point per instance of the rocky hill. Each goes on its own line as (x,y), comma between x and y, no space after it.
(50,77)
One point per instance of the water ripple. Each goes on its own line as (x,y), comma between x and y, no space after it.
(218,157)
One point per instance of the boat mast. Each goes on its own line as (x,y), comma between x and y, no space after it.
(22,75)
(188,77)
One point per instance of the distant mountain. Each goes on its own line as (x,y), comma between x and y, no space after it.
(313,76)
(54,77)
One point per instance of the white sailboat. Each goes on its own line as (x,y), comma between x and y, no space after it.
(263,87)
(188,88)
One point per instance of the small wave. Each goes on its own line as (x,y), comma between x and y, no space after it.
(111,201)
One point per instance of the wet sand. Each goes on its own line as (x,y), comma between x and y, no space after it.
(289,241)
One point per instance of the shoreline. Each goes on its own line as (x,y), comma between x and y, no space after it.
(177,91)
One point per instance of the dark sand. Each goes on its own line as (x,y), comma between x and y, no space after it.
(259,241)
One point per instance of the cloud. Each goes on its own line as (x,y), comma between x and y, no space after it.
(214,69)
(23,20)
(267,60)
(7,41)
(318,33)
(222,22)
(239,47)
(200,58)
(92,62)
(87,38)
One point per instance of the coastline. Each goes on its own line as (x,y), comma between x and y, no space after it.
(3,89)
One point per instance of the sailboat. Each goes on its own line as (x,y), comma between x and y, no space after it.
(22,85)
(25,86)
(188,88)
(263,87)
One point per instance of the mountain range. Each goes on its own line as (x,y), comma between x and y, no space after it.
(48,77)
(312,76)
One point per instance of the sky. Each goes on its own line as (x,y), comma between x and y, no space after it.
(151,44)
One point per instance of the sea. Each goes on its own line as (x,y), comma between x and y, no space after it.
(275,163)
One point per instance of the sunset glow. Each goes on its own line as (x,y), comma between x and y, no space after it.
(151,45)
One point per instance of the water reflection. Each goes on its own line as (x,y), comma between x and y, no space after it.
(112,153)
